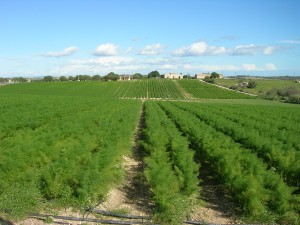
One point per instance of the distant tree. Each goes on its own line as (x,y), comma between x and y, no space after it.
(294,99)
(19,79)
(252,84)
(63,78)
(153,74)
(48,78)
(288,92)
(291,91)
(234,87)
(137,76)
(188,76)
(84,77)
(214,75)
(3,80)
(96,77)
(209,80)
(112,76)
(70,78)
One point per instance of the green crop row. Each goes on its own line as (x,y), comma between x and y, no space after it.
(261,193)
(207,91)
(150,88)
(66,150)
(170,170)
(278,147)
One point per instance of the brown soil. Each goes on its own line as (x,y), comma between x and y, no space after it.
(133,196)
(217,208)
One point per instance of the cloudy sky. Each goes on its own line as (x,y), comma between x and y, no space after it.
(69,37)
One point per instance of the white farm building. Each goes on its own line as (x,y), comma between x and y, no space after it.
(173,75)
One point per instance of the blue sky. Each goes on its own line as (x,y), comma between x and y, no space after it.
(69,37)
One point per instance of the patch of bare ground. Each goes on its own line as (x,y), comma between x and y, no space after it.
(217,207)
(133,196)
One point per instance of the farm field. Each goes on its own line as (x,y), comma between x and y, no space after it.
(63,149)
(64,143)
(139,89)
(203,90)
(263,85)
(253,151)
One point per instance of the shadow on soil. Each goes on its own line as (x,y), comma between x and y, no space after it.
(137,190)
(214,195)
(5,222)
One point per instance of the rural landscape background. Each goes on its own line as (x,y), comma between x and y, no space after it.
(139,112)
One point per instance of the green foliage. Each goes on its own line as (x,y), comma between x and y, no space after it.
(68,142)
(209,79)
(261,193)
(149,88)
(112,76)
(63,78)
(48,78)
(57,145)
(20,200)
(202,90)
(214,75)
(252,84)
(3,80)
(137,76)
(49,220)
(96,77)
(263,85)
(276,146)
(154,74)
(19,79)
(171,171)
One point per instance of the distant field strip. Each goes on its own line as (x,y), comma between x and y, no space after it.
(174,89)
(203,90)
(149,89)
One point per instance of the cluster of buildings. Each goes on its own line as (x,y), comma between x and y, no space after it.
(173,76)
(180,75)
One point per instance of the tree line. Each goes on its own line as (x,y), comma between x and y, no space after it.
(111,76)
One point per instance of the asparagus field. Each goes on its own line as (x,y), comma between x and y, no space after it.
(64,143)
(67,149)
(262,176)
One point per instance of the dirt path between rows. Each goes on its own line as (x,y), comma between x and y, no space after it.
(184,92)
(133,196)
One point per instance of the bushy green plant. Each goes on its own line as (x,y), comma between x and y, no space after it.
(19,201)
(170,169)
(260,192)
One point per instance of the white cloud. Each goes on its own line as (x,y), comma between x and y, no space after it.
(98,65)
(128,50)
(254,67)
(270,66)
(155,49)
(204,67)
(246,49)
(269,50)
(168,67)
(66,52)
(106,50)
(104,61)
(250,67)
(252,49)
(291,41)
(199,48)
